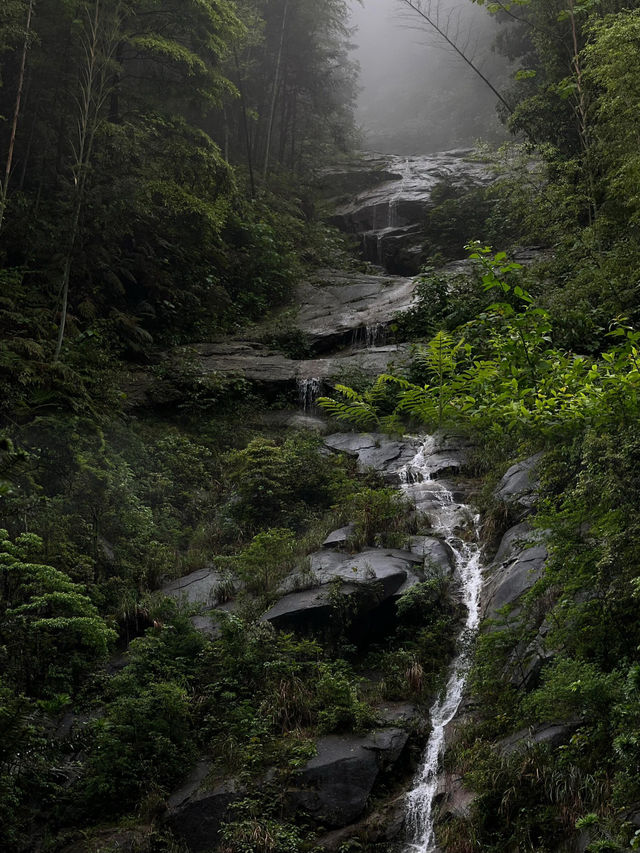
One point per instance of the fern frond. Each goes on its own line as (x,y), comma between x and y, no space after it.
(349,393)
(359,414)
(389,379)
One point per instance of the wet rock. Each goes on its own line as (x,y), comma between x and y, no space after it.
(335,785)
(375,450)
(385,215)
(336,305)
(356,175)
(199,587)
(270,372)
(519,486)
(452,798)
(197,811)
(339,538)
(552,734)
(436,553)
(510,580)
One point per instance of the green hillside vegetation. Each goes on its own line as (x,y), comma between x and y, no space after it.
(156,166)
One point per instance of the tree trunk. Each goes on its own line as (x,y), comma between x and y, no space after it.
(94,91)
(276,88)
(245,125)
(4,190)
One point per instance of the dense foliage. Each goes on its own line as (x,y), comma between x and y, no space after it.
(154,163)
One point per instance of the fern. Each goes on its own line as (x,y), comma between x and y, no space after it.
(359,414)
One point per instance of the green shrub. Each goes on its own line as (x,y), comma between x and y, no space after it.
(382,517)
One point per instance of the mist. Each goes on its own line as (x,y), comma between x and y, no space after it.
(416,95)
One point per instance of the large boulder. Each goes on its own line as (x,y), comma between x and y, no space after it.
(338,307)
(197,811)
(519,486)
(550,734)
(509,581)
(373,577)
(335,785)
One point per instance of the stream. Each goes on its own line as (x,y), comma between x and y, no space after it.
(453,521)
(345,317)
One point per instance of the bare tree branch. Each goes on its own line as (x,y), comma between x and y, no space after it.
(444,32)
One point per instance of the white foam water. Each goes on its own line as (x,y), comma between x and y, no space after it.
(308,392)
(448,518)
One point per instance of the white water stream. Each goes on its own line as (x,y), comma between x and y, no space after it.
(453,521)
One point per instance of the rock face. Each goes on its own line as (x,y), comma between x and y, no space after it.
(371,577)
(199,587)
(521,555)
(392,457)
(339,538)
(388,214)
(334,786)
(269,371)
(520,484)
(198,810)
(508,581)
(551,734)
(343,308)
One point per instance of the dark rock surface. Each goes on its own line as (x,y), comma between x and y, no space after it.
(339,538)
(551,734)
(452,798)
(270,371)
(199,587)
(337,308)
(197,811)
(335,785)
(434,552)
(519,486)
(374,575)
(510,580)
(393,457)
(387,215)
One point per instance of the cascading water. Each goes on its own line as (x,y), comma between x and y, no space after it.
(308,392)
(449,519)
(392,212)
(374,335)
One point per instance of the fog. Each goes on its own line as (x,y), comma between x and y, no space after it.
(416,95)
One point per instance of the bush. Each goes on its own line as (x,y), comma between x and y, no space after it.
(382,517)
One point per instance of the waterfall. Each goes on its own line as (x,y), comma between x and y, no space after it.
(373,335)
(308,392)
(392,211)
(448,518)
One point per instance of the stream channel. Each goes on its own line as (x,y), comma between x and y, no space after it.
(387,221)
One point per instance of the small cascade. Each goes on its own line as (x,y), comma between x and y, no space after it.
(394,201)
(366,337)
(308,392)
(448,518)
